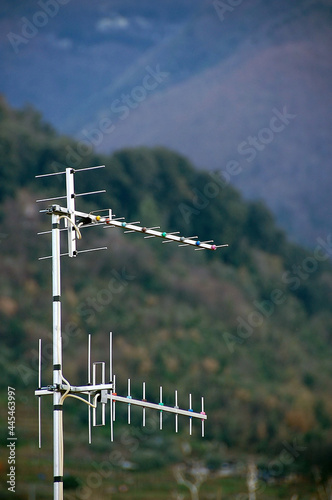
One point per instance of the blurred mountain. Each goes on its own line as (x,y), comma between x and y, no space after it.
(248,326)
(222,72)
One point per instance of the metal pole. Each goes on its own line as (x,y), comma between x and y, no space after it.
(57,362)
(89,382)
(39,387)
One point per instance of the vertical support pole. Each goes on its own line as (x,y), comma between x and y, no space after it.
(57,362)
(101,364)
(111,380)
(89,382)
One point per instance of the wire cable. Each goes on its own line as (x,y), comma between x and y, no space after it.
(79,234)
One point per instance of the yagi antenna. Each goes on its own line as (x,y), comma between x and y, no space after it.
(98,392)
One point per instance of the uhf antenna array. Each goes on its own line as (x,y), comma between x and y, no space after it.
(97,393)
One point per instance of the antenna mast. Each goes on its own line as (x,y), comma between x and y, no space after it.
(98,393)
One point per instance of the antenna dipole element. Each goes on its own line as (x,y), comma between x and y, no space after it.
(71,212)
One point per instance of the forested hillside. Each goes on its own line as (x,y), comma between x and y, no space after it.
(216,82)
(248,326)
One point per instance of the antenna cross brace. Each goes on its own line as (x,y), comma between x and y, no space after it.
(102,392)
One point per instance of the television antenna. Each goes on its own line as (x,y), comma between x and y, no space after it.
(99,392)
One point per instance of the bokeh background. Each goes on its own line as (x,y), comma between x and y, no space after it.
(212,118)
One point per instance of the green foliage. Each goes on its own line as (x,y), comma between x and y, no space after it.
(70,483)
(208,322)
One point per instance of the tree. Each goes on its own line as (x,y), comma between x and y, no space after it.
(192,476)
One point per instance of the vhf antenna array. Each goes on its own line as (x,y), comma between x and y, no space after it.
(99,392)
